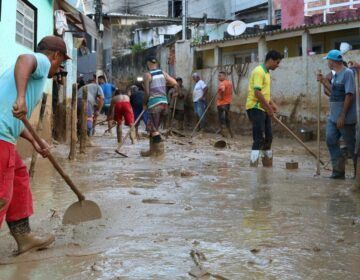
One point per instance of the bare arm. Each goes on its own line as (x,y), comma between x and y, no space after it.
(327,86)
(346,107)
(100,103)
(111,110)
(27,135)
(325,82)
(274,106)
(170,81)
(263,102)
(25,65)
(147,78)
(205,93)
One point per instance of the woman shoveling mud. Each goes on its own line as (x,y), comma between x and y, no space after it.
(21,87)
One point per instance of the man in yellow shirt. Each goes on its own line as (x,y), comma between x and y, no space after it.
(260,108)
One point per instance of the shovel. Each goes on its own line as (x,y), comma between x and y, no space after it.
(81,211)
(203,115)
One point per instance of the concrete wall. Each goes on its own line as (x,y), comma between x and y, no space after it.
(294,89)
(128,67)
(10,49)
(184,61)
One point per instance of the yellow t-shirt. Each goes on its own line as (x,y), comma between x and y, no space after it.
(259,80)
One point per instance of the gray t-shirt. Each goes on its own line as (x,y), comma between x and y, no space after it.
(180,102)
(94,91)
(343,83)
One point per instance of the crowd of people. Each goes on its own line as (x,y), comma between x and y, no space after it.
(22,87)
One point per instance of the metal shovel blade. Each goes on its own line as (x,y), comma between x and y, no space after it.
(81,211)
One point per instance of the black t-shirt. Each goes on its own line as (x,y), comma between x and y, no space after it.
(137,99)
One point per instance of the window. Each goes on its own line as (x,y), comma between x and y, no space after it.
(278,17)
(174,8)
(25,24)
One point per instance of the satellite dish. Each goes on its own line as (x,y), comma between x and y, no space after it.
(236,28)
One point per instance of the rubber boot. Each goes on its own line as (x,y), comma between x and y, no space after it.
(119,134)
(26,241)
(254,158)
(181,125)
(150,151)
(158,149)
(224,131)
(133,135)
(90,143)
(339,169)
(267,158)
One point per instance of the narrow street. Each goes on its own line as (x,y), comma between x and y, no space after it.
(238,222)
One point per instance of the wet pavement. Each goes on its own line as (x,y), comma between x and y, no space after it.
(238,222)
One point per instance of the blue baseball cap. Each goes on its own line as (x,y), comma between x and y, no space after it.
(335,55)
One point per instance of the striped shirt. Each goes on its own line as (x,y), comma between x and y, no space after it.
(157,88)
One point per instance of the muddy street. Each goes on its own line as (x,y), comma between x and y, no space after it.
(199,210)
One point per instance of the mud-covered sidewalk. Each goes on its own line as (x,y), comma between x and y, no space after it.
(199,210)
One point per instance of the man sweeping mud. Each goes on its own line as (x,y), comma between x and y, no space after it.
(120,108)
(21,88)
(260,108)
(156,104)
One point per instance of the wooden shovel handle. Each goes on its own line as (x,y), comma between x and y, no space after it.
(297,138)
(128,133)
(53,161)
(203,115)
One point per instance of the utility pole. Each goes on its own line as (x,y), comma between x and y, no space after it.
(173,8)
(184,18)
(270,10)
(99,50)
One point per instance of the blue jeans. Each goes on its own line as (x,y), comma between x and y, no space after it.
(332,140)
(200,107)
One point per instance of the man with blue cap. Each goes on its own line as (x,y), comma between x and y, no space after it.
(342,118)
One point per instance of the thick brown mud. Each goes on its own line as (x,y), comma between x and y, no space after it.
(198,210)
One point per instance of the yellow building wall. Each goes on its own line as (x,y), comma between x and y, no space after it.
(327,40)
(208,58)
(293,44)
(239,48)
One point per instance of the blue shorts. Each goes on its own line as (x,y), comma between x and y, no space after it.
(105,109)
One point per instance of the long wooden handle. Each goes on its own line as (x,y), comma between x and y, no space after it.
(53,161)
(173,114)
(128,133)
(203,115)
(318,127)
(297,138)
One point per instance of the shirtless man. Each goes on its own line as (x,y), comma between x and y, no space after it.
(120,108)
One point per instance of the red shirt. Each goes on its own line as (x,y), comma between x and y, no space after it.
(226,87)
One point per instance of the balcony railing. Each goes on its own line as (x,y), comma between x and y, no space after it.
(325,9)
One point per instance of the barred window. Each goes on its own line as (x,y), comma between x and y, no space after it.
(278,17)
(25,24)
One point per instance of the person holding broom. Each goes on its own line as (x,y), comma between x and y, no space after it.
(260,108)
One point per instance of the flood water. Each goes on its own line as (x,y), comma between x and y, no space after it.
(247,223)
